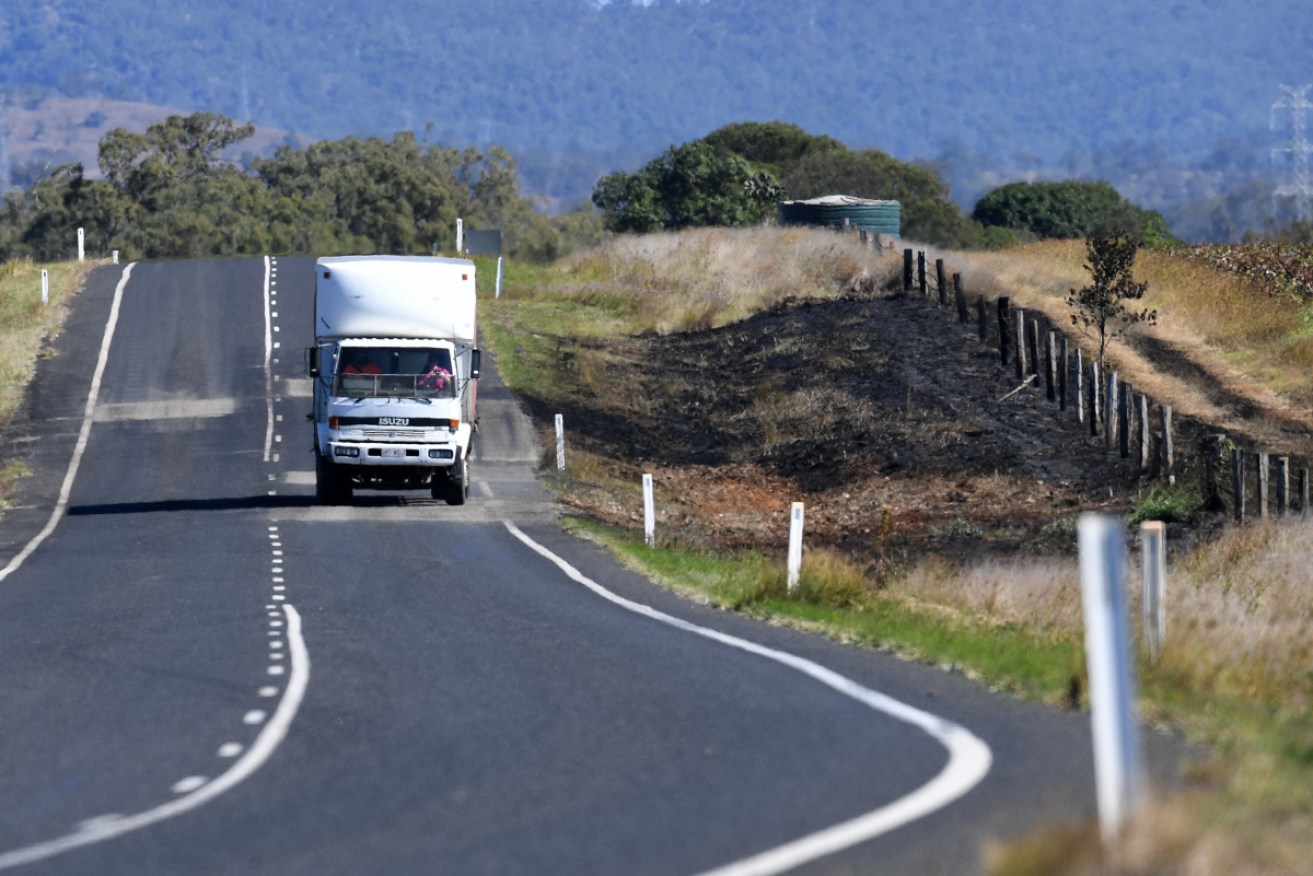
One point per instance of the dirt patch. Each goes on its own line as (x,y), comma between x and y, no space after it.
(900,430)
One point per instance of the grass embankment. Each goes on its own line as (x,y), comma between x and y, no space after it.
(1237,670)
(25,324)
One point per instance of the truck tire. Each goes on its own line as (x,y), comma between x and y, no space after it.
(457,487)
(331,487)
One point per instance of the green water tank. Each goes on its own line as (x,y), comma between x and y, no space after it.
(878,217)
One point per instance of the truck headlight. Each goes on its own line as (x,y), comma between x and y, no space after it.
(339,450)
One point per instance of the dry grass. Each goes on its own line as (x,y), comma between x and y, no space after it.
(1236,670)
(25,323)
(1240,615)
(1042,594)
(710,277)
(1239,608)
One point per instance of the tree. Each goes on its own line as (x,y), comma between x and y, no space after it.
(773,146)
(688,186)
(1068,209)
(1102,305)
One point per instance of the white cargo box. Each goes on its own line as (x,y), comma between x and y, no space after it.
(395,297)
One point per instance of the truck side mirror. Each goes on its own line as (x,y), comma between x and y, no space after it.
(476,359)
(312,361)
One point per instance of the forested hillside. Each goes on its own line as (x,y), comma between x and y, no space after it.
(1170,102)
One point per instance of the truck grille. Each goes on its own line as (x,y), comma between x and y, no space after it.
(392,434)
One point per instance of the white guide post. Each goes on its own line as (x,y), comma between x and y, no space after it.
(795,544)
(460,237)
(498,293)
(649,512)
(1119,771)
(1153,573)
(45,286)
(115,256)
(560,443)
(82,244)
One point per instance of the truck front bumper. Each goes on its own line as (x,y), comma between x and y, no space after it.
(364,453)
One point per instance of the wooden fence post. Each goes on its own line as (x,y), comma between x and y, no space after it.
(982,320)
(907,271)
(1080,386)
(1019,343)
(1095,393)
(942,280)
(1262,486)
(1238,483)
(1283,485)
(1124,421)
(1050,367)
(1213,449)
(1169,455)
(960,299)
(1146,429)
(920,272)
(1064,368)
(1303,492)
(1032,347)
(1004,342)
(1110,410)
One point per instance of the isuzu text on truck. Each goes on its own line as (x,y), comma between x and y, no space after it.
(395,370)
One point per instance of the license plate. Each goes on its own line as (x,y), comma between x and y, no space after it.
(394,453)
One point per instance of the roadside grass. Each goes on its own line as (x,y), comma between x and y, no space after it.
(835,597)
(25,324)
(25,328)
(1236,672)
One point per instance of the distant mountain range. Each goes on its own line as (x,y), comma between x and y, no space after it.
(1171,102)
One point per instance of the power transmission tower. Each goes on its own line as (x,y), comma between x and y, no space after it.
(1298,148)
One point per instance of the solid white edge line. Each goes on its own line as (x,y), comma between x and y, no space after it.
(88,415)
(969,758)
(268,740)
(268,368)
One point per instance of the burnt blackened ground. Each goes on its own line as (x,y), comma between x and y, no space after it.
(901,431)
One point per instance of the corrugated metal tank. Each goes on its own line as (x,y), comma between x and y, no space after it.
(880,217)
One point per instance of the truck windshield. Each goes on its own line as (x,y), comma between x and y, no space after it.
(390,372)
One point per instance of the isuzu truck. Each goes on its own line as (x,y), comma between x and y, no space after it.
(395,368)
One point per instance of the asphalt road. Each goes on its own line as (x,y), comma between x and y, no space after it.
(203,672)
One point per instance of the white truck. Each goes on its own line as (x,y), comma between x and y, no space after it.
(395,370)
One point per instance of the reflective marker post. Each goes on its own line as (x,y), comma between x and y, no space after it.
(1153,575)
(649,512)
(1119,771)
(45,286)
(560,443)
(795,544)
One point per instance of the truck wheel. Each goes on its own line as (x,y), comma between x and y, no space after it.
(458,480)
(331,487)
